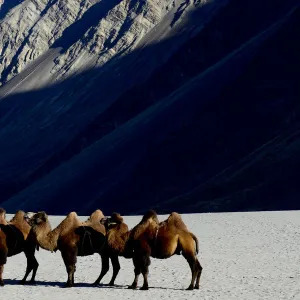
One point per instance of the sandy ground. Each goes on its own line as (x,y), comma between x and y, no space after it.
(244,256)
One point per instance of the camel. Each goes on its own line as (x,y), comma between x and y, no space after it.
(162,240)
(117,234)
(70,237)
(15,237)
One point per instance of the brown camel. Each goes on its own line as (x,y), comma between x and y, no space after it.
(15,237)
(70,237)
(162,240)
(117,234)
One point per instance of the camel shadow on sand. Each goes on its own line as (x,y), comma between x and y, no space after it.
(60,284)
(79,284)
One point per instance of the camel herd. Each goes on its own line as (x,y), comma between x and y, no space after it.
(108,236)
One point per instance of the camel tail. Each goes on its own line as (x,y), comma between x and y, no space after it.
(196,242)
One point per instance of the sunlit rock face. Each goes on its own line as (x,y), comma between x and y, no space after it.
(90,32)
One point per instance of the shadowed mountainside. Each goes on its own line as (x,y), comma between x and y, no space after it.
(214,126)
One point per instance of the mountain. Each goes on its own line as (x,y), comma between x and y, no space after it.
(127,105)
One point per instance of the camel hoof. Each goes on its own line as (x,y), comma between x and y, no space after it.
(190,288)
(132,287)
(196,287)
(96,283)
(144,288)
(1,283)
(111,284)
(68,285)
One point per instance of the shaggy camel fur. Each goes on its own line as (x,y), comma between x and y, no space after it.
(70,237)
(15,237)
(162,240)
(117,234)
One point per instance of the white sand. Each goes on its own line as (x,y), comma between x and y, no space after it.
(244,256)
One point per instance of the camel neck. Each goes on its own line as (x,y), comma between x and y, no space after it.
(46,237)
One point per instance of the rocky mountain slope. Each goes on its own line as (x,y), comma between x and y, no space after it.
(126,105)
(84,33)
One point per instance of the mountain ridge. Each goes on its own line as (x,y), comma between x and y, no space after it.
(144,162)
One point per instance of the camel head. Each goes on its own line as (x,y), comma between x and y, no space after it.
(28,216)
(35,219)
(112,221)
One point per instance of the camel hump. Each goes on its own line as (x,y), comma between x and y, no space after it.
(72,214)
(70,222)
(96,216)
(149,220)
(150,215)
(175,220)
(20,223)
(94,221)
(18,217)
(72,219)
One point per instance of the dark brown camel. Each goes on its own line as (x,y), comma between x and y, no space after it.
(16,237)
(162,240)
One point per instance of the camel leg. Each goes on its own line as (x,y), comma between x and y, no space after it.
(116,268)
(71,270)
(142,261)
(145,263)
(3,259)
(70,258)
(145,272)
(137,272)
(1,275)
(104,268)
(35,266)
(191,259)
(32,265)
(199,270)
